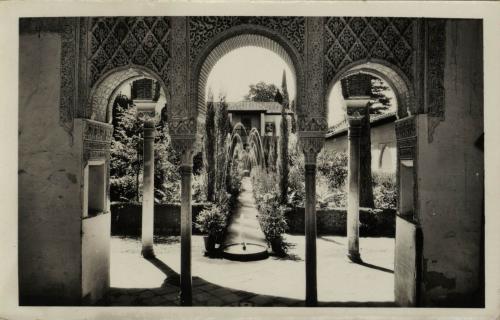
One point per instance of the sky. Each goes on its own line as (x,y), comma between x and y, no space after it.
(242,67)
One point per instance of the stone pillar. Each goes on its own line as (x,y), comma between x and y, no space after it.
(311,147)
(186,150)
(148,186)
(262,124)
(354,118)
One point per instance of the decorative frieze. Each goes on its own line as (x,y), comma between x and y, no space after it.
(180,77)
(97,138)
(306,123)
(314,86)
(436,50)
(68,73)
(406,135)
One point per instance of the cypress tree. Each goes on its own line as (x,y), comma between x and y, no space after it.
(284,90)
(222,128)
(283,156)
(210,148)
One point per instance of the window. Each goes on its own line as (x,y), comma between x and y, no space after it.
(96,188)
(406,189)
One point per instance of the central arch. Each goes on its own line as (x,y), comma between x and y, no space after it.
(235,38)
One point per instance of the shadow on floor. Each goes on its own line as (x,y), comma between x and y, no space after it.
(207,294)
(369,265)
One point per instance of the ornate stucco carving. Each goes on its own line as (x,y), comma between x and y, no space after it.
(181,117)
(97,138)
(314,86)
(349,39)
(203,29)
(311,145)
(120,41)
(406,135)
(69,56)
(436,50)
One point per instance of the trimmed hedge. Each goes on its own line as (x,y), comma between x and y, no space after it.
(126,218)
(373,222)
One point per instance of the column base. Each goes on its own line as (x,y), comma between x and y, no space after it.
(312,303)
(186,299)
(148,253)
(354,257)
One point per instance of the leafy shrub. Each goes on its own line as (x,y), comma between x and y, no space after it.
(272,221)
(122,188)
(333,165)
(212,221)
(200,186)
(296,182)
(384,190)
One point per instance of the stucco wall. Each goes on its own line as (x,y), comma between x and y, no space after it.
(451,178)
(95,257)
(381,135)
(49,211)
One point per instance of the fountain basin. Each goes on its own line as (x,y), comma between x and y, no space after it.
(245,252)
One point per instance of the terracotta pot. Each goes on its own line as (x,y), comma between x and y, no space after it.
(209,243)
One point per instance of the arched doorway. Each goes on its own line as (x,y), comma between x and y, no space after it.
(407,248)
(96,170)
(238,37)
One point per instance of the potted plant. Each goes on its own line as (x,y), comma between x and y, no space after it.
(273,223)
(212,222)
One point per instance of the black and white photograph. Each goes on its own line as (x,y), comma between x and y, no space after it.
(306,162)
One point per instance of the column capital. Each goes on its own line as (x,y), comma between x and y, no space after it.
(311,145)
(147,117)
(185,146)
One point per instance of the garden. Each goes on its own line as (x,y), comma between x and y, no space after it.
(277,179)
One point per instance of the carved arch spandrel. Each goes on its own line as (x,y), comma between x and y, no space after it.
(396,79)
(233,38)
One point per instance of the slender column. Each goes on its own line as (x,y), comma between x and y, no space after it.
(186,223)
(354,118)
(148,191)
(310,228)
(311,146)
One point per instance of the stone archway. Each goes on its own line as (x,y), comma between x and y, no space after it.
(100,103)
(390,73)
(100,108)
(406,282)
(235,38)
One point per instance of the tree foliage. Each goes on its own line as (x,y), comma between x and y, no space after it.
(261,92)
(126,162)
(380,100)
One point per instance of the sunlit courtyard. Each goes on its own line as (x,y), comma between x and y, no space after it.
(274,281)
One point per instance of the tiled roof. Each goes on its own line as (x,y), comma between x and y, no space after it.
(342,125)
(267,107)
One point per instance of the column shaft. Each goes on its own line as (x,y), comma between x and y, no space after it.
(186,221)
(353,195)
(148,194)
(310,229)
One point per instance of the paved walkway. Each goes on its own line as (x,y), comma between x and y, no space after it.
(271,282)
(244,228)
